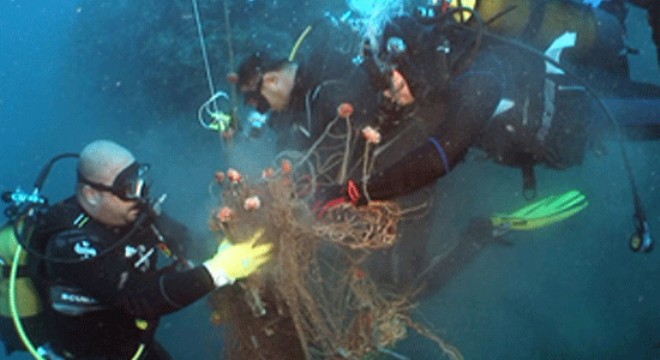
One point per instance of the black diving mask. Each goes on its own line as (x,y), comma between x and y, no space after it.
(130,184)
(255,99)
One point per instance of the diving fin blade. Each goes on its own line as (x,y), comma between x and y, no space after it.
(542,213)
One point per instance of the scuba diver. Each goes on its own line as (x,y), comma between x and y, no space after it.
(446,85)
(94,263)
(440,83)
(284,87)
(520,109)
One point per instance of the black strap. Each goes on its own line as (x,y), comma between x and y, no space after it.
(529,181)
(536,16)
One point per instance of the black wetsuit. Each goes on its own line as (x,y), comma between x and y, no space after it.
(504,101)
(325,79)
(97,294)
(472,99)
(457,94)
(496,97)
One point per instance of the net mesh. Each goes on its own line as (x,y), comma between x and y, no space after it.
(315,299)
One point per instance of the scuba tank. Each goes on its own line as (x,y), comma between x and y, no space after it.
(20,301)
(30,303)
(599,34)
(21,305)
(539,22)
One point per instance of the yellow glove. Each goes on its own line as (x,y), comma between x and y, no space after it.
(237,261)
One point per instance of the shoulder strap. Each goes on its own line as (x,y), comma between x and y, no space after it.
(529,180)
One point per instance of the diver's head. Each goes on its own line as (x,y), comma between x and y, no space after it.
(266,84)
(111,184)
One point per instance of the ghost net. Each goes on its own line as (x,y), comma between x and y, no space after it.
(315,299)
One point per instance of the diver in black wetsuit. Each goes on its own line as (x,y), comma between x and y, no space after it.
(101,275)
(443,90)
(302,94)
(429,106)
(506,100)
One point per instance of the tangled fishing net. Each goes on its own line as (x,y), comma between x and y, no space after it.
(315,299)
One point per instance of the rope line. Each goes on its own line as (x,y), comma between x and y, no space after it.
(202,44)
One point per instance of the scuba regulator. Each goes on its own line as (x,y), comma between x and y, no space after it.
(256,123)
(26,206)
(640,241)
(437,8)
(19,200)
(216,114)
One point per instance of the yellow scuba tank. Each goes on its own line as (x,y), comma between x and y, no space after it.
(28,301)
(540,22)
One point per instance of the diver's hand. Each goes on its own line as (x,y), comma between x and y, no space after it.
(237,261)
(399,91)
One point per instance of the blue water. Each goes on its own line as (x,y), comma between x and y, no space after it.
(569,291)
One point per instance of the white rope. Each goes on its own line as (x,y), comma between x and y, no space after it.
(202,43)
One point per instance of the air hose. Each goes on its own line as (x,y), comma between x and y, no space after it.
(13,306)
(16,318)
(301,38)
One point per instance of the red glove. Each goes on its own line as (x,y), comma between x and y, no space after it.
(337,195)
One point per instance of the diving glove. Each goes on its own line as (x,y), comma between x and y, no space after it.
(237,261)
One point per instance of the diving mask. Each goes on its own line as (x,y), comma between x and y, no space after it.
(254,98)
(129,185)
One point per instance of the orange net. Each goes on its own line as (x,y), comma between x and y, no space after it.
(315,299)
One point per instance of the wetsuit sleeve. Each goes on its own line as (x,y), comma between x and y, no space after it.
(183,242)
(152,295)
(474,97)
(114,281)
(326,78)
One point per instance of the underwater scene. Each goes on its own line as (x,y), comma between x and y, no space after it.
(349,179)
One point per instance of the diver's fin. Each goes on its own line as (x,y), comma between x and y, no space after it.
(541,213)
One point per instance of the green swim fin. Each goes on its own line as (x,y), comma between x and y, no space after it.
(542,213)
